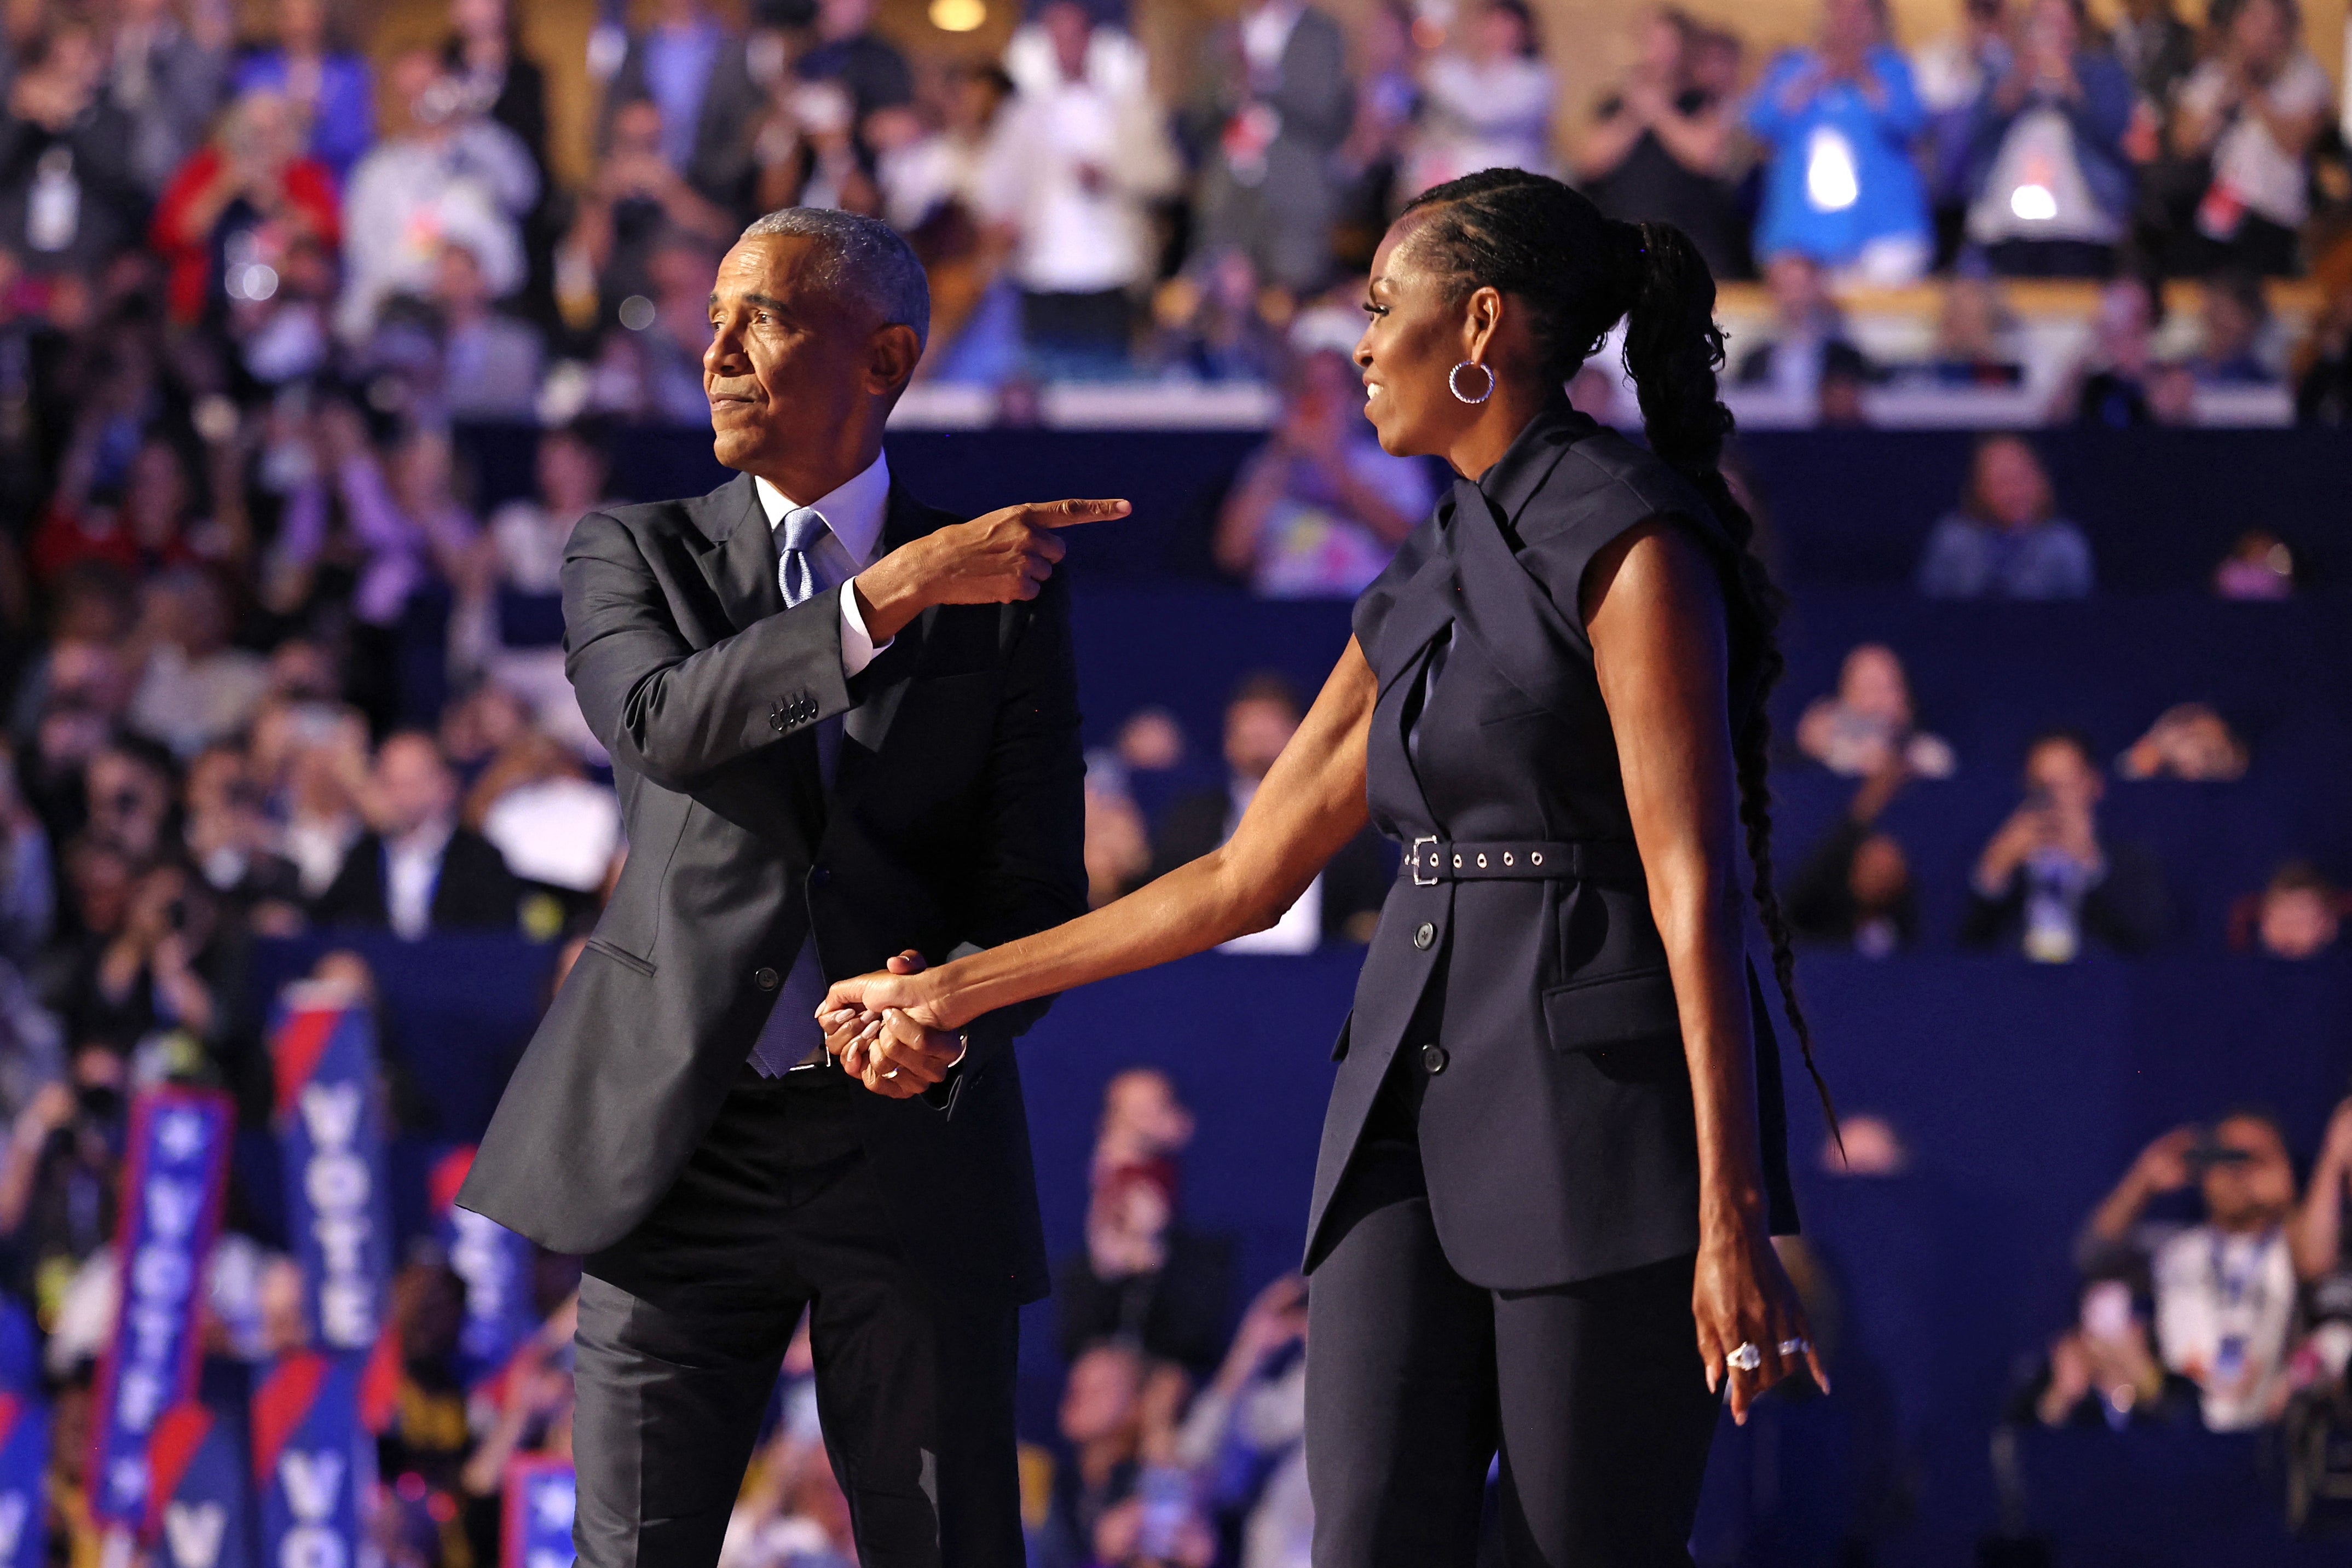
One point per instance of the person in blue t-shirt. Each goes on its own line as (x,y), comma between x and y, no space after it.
(1838,120)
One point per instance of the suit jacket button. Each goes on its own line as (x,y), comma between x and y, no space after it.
(1432,1056)
(766,978)
(1424,935)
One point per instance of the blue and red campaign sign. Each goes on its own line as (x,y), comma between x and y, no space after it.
(24,1496)
(312,1459)
(172,1186)
(496,1265)
(540,1496)
(197,1516)
(330,1131)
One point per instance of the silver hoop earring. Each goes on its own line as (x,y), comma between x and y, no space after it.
(1454,382)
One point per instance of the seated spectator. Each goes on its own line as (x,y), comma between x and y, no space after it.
(1657,147)
(1101,1424)
(2188,740)
(1245,1433)
(1212,322)
(2323,372)
(70,196)
(2259,566)
(2237,319)
(198,688)
(1118,841)
(1485,101)
(1846,376)
(229,842)
(2109,386)
(2104,1371)
(1854,888)
(245,197)
(2049,880)
(489,361)
(1867,723)
(1143,1278)
(2006,540)
(417,871)
(1808,328)
(170,965)
(329,85)
(1318,509)
(1837,120)
(697,73)
(1077,161)
(2297,916)
(2051,187)
(1343,903)
(444,175)
(58,1177)
(2253,106)
(1144,1123)
(2225,1288)
(1977,340)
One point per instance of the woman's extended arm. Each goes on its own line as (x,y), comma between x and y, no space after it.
(1311,804)
(1660,650)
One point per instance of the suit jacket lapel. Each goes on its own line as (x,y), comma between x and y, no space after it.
(742,568)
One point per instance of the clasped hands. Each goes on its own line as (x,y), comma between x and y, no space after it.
(883,1036)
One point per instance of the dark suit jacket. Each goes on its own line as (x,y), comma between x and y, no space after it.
(1355,881)
(723,130)
(2129,911)
(474,891)
(954,820)
(1558,1138)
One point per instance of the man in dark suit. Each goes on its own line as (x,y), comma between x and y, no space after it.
(839,720)
(416,870)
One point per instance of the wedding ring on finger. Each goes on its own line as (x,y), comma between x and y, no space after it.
(1745,1358)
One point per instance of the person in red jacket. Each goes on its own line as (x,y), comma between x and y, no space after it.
(236,206)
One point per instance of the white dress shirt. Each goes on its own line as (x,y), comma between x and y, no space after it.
(853,514)
(412,870)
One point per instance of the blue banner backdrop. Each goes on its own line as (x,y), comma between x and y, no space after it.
(330,1131)
(172,1190)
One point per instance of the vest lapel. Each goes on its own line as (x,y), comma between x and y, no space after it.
(1513,619)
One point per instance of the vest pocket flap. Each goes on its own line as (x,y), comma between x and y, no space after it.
(1635,1009)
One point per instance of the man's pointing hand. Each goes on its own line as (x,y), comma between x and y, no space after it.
(994,560)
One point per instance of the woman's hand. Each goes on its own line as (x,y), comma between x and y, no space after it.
(1742,1296)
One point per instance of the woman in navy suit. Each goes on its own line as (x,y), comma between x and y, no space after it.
(1556,1150)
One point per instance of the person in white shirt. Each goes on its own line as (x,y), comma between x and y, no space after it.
(1486,104)
(2254,107)
(1075,160)
(450,176)
(2225,1289)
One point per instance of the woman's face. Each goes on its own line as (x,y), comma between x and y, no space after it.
(1415,337)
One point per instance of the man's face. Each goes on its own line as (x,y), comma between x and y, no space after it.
(1256,729)
(412,784)
(2297,923)
(2256,1191)
(792,363)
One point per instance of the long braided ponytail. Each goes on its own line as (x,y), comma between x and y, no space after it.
(1580,273)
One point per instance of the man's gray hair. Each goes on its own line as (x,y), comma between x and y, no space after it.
(863,257)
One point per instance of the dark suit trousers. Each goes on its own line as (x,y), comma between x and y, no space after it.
(683,1324)
(1592,1393)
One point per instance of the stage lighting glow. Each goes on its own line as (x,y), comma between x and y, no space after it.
(2034,203)
(958,15)
(1831,182)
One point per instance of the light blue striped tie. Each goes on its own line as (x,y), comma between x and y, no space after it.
(804,530)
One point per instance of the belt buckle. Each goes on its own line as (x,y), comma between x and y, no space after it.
(1431,840)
